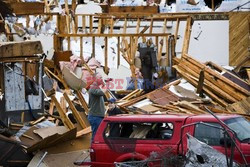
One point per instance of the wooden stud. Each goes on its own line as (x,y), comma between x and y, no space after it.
(68,39)
(81,49)
(75,112)
(118,52)
(177,29)
(73,6)
(93,47)
(111,26)
(82,101)
(51,108)
(63,104)
(66,121)
(67,16)
(99,25)
(187,36)
(90,24)
(84,23)
(151,26)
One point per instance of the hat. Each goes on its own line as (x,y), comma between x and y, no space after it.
(112,100)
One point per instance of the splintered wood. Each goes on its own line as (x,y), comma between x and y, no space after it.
(222,89)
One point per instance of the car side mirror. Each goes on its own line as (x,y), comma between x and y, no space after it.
(226,142)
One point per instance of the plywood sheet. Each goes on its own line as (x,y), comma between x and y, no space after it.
(239,42)
(17,49)
(49,131)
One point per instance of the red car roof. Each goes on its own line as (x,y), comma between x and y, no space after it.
(162,117)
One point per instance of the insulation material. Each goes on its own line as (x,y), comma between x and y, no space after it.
(203,155)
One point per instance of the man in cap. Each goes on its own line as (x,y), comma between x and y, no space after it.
(113,110)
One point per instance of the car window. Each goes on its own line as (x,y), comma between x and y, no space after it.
(145,130)
(209,135)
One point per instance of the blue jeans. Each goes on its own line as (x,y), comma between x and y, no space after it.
(94,122)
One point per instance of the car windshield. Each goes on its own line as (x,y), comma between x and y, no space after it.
(241,127)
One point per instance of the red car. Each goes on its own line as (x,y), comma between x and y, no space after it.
(136,137)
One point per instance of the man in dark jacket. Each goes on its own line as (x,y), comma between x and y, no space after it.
(113,110)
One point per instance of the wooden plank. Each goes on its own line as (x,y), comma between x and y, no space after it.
(84,132)
(115,35)
(210,78)
(130,94)
(133,9)
(66,121)
(218,76)
(27,8)
(195,83)
(75,112)
(214,88)
(82,101)
(18,49)
(239,31)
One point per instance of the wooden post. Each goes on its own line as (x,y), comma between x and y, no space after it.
(93,47)
(213,6)
(118,51)
(106,55)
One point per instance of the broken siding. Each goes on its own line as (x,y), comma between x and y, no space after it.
(239,32)
(15,91)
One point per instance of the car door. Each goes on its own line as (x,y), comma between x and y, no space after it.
(211,134)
